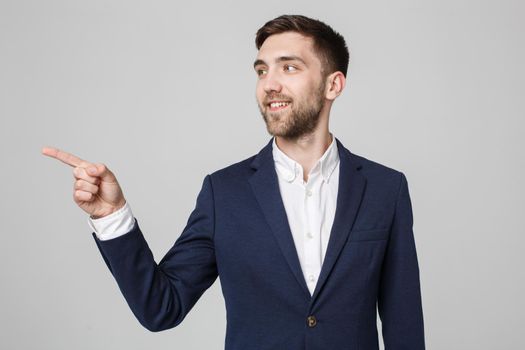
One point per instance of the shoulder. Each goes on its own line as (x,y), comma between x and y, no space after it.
(375,168)
(379,175)
(234,172)
(244,168)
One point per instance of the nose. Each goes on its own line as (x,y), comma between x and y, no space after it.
(271,83)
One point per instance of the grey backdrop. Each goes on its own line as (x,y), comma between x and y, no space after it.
(163,93)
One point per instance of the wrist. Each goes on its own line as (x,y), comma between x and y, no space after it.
(115,209)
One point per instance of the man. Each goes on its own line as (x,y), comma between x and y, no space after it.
(307,237)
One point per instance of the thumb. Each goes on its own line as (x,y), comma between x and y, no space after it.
(102,171)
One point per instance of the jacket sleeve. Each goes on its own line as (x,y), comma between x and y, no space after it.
(161,295)
(399,298)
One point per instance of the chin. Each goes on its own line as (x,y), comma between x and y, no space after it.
(273,129)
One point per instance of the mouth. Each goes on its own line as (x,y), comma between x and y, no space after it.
(275,106)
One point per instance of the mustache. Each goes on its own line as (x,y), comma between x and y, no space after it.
(273,97)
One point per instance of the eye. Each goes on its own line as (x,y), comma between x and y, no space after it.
(289,68)
(260,72)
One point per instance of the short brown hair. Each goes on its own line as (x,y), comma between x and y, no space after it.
(330,44)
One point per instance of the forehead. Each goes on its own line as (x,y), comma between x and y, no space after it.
(287,44)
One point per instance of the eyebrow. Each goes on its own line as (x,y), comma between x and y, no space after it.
(280,59)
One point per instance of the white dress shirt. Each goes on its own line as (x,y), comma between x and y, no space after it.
(310,208)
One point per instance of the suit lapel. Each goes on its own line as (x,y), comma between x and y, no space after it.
(349,196)
(265,185)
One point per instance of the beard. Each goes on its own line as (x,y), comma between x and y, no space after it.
(299,119)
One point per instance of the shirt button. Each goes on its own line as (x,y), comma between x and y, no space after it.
(311,278)
(309,235)
(311,321)
(308,193)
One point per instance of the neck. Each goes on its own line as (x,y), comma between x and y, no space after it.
(307,149)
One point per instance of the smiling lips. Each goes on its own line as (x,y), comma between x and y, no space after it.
(278,105)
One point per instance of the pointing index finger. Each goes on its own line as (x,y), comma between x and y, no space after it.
(65,157)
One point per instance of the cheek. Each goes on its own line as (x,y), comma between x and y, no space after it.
(259,93)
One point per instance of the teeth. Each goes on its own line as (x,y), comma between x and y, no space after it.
(279,104)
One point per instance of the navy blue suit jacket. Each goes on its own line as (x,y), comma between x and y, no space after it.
(239,231)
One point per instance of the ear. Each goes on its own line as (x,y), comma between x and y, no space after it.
(335,83)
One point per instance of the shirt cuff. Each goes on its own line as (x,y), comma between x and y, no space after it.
(113,225)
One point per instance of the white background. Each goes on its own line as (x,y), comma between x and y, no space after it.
(163,92)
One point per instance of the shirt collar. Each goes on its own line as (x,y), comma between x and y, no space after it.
(288,168)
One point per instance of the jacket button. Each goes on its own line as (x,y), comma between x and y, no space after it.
(311,321)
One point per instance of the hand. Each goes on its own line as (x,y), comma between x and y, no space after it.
(96,190)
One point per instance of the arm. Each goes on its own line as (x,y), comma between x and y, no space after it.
(399,299)
(161,295)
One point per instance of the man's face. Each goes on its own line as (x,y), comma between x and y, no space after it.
(290,86)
